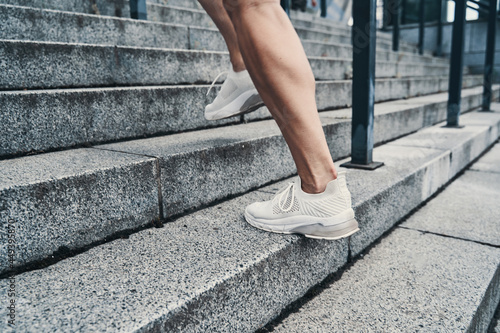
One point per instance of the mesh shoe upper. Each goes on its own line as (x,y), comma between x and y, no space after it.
(237,93)
(292,201)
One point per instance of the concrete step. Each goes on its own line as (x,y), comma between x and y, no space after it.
(337,50)
(210,271)
(41,25)
(305,20)
(38,65)
(67,27)
(43,120)
(104,30)
(119,8)
(128,185)
(300,19)
(193,4)
(437,271)
(198,17)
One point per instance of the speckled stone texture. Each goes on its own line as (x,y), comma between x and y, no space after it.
(410,282)
(158,11)
(411,175)
(209,271)
(325,36)
(18,23)
(57,65)
(206,39)
(173,14)
(465,144)
(340,50)
(384,196)
(337,94)
(489,162)
(106,114)
(36,24)
(195,164)
(73,198)
(60,65)
(118,8)
(41,120)
(194,4)
(236,260)
(475,195)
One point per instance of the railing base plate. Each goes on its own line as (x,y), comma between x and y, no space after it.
(371,166)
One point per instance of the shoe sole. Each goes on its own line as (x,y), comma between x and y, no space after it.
(312,230)
(247,102)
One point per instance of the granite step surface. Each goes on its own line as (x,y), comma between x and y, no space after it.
(44,120)
(119,8)
(437,271)
(295,16)
(68,200)
(198,17)
(43,65)
(35,24)
(210,271)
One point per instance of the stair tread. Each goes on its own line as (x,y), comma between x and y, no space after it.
(416,279)
(187,165)
(409,282)
(478,219)
(192,273)
(50,65)
(95,117)
(106,30)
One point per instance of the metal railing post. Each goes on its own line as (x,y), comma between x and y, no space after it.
(385,17)
(363,85)
(138,9)
(322,4)
(456,65)
(421,28)
(285,4)
(396,19)
(490,56)
(439,46)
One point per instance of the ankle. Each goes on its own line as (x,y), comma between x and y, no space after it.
(238,66)
(316,185)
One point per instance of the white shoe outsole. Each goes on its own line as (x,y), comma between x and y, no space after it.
(314,229)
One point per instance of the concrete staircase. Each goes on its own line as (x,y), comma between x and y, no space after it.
(438,271)
(103,138)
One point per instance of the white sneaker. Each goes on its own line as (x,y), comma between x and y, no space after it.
(326,215)
(237,95)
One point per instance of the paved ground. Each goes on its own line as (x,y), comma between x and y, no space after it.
(437,271)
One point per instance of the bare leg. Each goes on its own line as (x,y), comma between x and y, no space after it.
(216,11)
(278,65)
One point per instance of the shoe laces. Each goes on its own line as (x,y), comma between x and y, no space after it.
(283,198)
(215,80)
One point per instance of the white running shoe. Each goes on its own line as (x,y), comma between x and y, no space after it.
(237,95)
(326,215)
